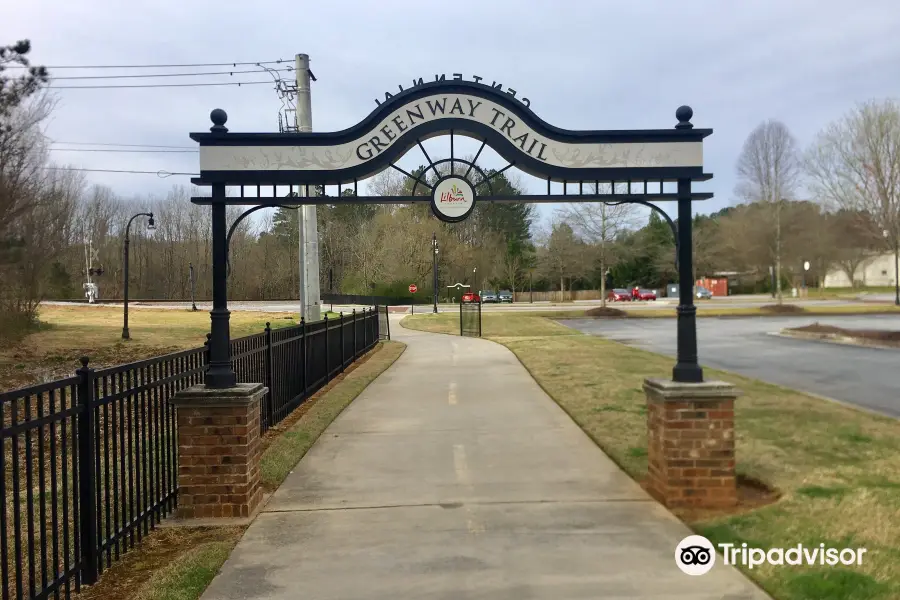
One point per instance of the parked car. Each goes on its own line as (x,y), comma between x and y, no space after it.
(702,293)
(505,296)
(488,296)
(619,295)
(470,297)
(645,295)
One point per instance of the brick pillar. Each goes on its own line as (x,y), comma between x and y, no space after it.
(691,443)
(218,451)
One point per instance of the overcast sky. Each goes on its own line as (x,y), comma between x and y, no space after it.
(584,65)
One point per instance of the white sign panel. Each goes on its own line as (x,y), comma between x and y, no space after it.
(468,107)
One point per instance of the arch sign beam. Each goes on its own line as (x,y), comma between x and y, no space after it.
(612,158)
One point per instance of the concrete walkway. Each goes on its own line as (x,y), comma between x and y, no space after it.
(454,476)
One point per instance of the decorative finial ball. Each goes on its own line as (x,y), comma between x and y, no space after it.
(219,117)
(684,114)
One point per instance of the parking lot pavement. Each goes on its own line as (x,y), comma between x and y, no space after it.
(862,376)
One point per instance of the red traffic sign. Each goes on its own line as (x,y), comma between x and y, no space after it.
(413,288)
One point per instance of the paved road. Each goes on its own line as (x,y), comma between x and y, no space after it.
(863,376)
(294,306)
(454,476)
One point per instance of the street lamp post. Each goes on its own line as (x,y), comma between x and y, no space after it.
(805,269)
(193,301)
(151,225)
(434,247)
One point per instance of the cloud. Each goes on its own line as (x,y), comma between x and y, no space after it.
(583,64)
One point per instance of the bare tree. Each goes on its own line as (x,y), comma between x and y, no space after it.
(769,170)
(854,164)
(600,224)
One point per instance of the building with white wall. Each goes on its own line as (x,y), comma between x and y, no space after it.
(877,270)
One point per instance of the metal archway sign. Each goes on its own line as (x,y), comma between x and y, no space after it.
(633,165)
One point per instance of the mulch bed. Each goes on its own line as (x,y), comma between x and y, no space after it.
(882,337)
(783,309)
(126,576)
(605,311)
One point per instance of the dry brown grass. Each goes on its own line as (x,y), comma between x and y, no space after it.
(70,332)
(838,469)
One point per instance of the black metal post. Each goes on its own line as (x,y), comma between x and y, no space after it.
(687,369)
(343,358)
(126,334)
(219,374)
(304,346)
(193,302)
(531,286)
(479,319)
(434,251)
(87,521)
(355,347)
(269,410)
(327,350)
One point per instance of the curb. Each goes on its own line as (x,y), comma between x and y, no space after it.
(832,339)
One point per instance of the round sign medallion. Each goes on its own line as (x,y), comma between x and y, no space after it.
(453,199)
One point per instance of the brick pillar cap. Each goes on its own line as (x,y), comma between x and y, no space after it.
(199,396)
(673,391)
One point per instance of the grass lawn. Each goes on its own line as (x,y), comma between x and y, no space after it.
(179,563)
(69,332)
(837,469)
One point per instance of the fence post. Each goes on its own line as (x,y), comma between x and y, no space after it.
(304,344)
(355,347)
(269,407)
(206,352)
(343,358)
(365,330)
(461,318)
(387,320)
(327,370)
(479,319)
(87,526)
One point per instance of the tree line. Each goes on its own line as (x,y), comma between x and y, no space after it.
(832,205)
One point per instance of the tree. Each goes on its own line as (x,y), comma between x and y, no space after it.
(768,171)
(564,256)
(14,90)
(601,224)
(854,164)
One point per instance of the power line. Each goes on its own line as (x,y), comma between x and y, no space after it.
(119,150)
(152,85)
(123,145)
(169,74)
(162,174)
(235,64)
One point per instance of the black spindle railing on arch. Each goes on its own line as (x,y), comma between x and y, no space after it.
(89,463)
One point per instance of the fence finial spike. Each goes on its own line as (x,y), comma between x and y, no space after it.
(268,325)
(84,361)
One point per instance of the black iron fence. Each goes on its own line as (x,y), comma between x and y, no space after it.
(470,319)
(366,300)
(89,463)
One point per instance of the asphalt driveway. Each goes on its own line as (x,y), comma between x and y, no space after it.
(863,376)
